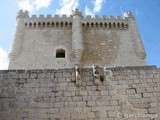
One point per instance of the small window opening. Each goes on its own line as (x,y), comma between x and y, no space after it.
(30,24)
(118,25)
(60,53)
(53,24)
(34,24)
(110,25)
(48,24)
(105,24)
(114,25)
(101,24)
(66,23)
(44,23)
(39,24)
(127,26)
(70,24)
(122,25)
(92,24)
(61,24)
(96,24)
(87,24)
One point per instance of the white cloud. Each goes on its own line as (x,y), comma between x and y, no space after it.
(88,11)
(3,59)
(32,5)
(67,6)
(42,3)
(25,5)
(97,7)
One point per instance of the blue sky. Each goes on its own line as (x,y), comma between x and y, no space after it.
(146,12)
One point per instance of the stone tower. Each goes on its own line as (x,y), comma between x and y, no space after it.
(66,42)
(119,86)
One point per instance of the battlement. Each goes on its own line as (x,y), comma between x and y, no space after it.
(22,14)
(65,21)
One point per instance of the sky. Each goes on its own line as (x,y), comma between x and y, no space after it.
(146,12)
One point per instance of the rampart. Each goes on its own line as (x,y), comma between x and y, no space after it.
(124,93)
(65,21)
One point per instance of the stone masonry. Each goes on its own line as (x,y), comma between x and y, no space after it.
(125,93)
(83,41)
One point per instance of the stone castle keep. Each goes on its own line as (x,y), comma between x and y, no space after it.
(78,68)
(64,42)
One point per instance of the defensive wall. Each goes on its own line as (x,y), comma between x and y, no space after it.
(124,93)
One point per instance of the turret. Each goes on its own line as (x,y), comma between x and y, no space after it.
(136,39)
(18,35)
(77,41)
(77,38)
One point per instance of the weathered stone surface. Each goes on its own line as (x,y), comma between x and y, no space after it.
(37,95)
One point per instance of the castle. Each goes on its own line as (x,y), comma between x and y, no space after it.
(65,42)
(75,68)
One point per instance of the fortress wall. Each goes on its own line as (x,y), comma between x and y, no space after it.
(39,49)
(125,93)
(102,47)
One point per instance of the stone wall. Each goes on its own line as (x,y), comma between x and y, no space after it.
(126,93)
(103,41)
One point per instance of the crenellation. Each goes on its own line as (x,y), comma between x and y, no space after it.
(22,14)
(34,16)
(106,25)
(49,16)
(88,17)
(103,17)
(41,16)
(111,17)
(118,17)
(89,22)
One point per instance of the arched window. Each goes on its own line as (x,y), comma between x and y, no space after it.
(110,25)
(101,24)
(60,53)
(105,24)
(83,25)
(92,24)
(52,24)
(61,24)
(114,25)
(34,24)
(66,24)
(39,24)
(44,23)
(30,24)
(48,23)
(118,25)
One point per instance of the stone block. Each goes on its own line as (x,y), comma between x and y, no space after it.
(69,94)
(147,94)
(76,98)
(81,93)
(33,75)
(91,103)
(71,88)
(81,104)
(102,103)
(58,75)
(70,104)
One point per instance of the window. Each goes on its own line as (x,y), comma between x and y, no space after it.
(60,53)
